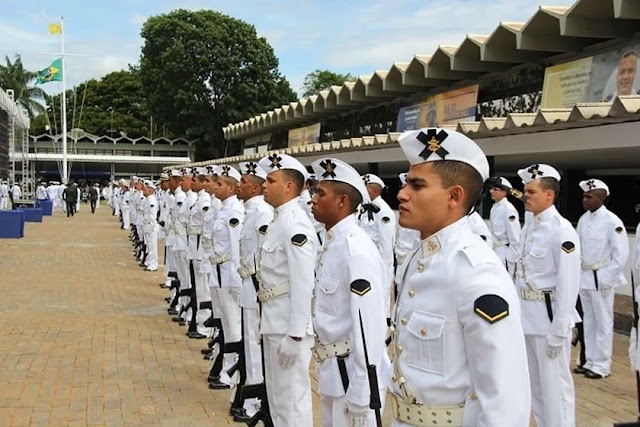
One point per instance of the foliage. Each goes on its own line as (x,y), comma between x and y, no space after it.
(14,76)
(202,70)
(319,80)
(110,106)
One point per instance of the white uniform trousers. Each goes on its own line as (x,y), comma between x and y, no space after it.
(333,414)
(252,346)
(230,316)
(288,390)
(169,264)
(203,294)
(3,203)
(125,219)
(598,330)
(182,268)
(502,254)
(553,402)
(151,240)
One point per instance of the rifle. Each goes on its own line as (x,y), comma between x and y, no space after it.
(193,303)
(636,316)
(240,365)
(374,392)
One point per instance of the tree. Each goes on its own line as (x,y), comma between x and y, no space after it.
(14,76)
(202,70)
(116,103)
(319,80)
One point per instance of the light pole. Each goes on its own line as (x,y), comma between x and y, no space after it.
(111,131)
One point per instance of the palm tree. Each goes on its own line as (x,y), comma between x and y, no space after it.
(14,76)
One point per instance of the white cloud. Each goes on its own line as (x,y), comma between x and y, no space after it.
(138,19)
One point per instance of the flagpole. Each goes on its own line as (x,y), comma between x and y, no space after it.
(65,176)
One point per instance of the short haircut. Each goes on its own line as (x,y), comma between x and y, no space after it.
(600,193)
(340,188)
(200,178)
(630,53)
(296,177)
(255,179)
(229,180)
(549,183)
(457,173)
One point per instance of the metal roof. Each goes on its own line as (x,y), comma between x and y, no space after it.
(92,158)
(620,109)
(550,31)
(10,106)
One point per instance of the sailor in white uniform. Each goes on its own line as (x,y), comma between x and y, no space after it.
(605,249)
(547,279)
(505,222)
(460,355)
(349,298)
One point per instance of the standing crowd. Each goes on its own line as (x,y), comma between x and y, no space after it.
(454,322)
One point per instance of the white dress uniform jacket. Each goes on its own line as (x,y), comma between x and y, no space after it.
(349,282)
(407,240)
(226,243)
(458,337)
(605,249)
(505,230)
(479,227)
(634,352)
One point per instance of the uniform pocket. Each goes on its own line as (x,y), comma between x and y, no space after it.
(597,240)
(268,254)
(326,297)
(425,346)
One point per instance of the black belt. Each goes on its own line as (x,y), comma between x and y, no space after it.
(219,275)
(595,277)
(206,305)
(254,279)
(342,368)
(547,301)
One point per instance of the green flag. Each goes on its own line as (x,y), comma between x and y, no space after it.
(53,73)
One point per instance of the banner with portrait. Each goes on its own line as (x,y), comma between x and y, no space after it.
(598,78)
(303,136)
(447,108)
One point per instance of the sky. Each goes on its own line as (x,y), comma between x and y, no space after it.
(348,36)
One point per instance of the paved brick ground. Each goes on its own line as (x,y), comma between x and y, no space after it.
(85,339)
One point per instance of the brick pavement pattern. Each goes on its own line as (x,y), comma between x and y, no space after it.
(85,339)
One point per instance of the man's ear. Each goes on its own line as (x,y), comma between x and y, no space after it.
(456,195)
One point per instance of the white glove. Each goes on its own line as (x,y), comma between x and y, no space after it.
(288,352)
(357,416)
(555,345)
(632,350)
(605,291)
(235,293)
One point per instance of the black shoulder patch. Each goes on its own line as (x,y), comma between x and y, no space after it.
(299,240)
(179,203)
(386,219)
(483,237)
(568,247)
(263,229)
(234,222)
(512,218)
(491,308)
(619,230)
(205,208)
(360,287)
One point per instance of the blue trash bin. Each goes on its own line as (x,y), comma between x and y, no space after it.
(47,207)
(32,214)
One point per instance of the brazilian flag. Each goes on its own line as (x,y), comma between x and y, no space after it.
(53,73)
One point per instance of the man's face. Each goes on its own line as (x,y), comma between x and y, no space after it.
(274,187)
(210,184)
(185,183)
(538,199)
(324,204)
(423,201)
(374,190)
(225,189)
(245,188)
(196,185)
(174,183)
(497,194)
(626,75)
(164,185)
(591,201)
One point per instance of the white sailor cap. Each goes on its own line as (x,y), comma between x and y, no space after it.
(537,171)
(164,176)
(230,171)
(277,161)
(134,179)
(330,169)
(175,172)
(200,171)
(125,182)
(150,184)
(370,178)
(503,182)
(403,178)
(436,144)
(213,170)
(252,168)
(186,171)
(593,184)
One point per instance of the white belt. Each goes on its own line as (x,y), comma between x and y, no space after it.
(323,352)
(207,243)
(220,259)
(426,416)
(194,231)
(594,266)
(536,295)
(246,271)
(265,294)
(500,243)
